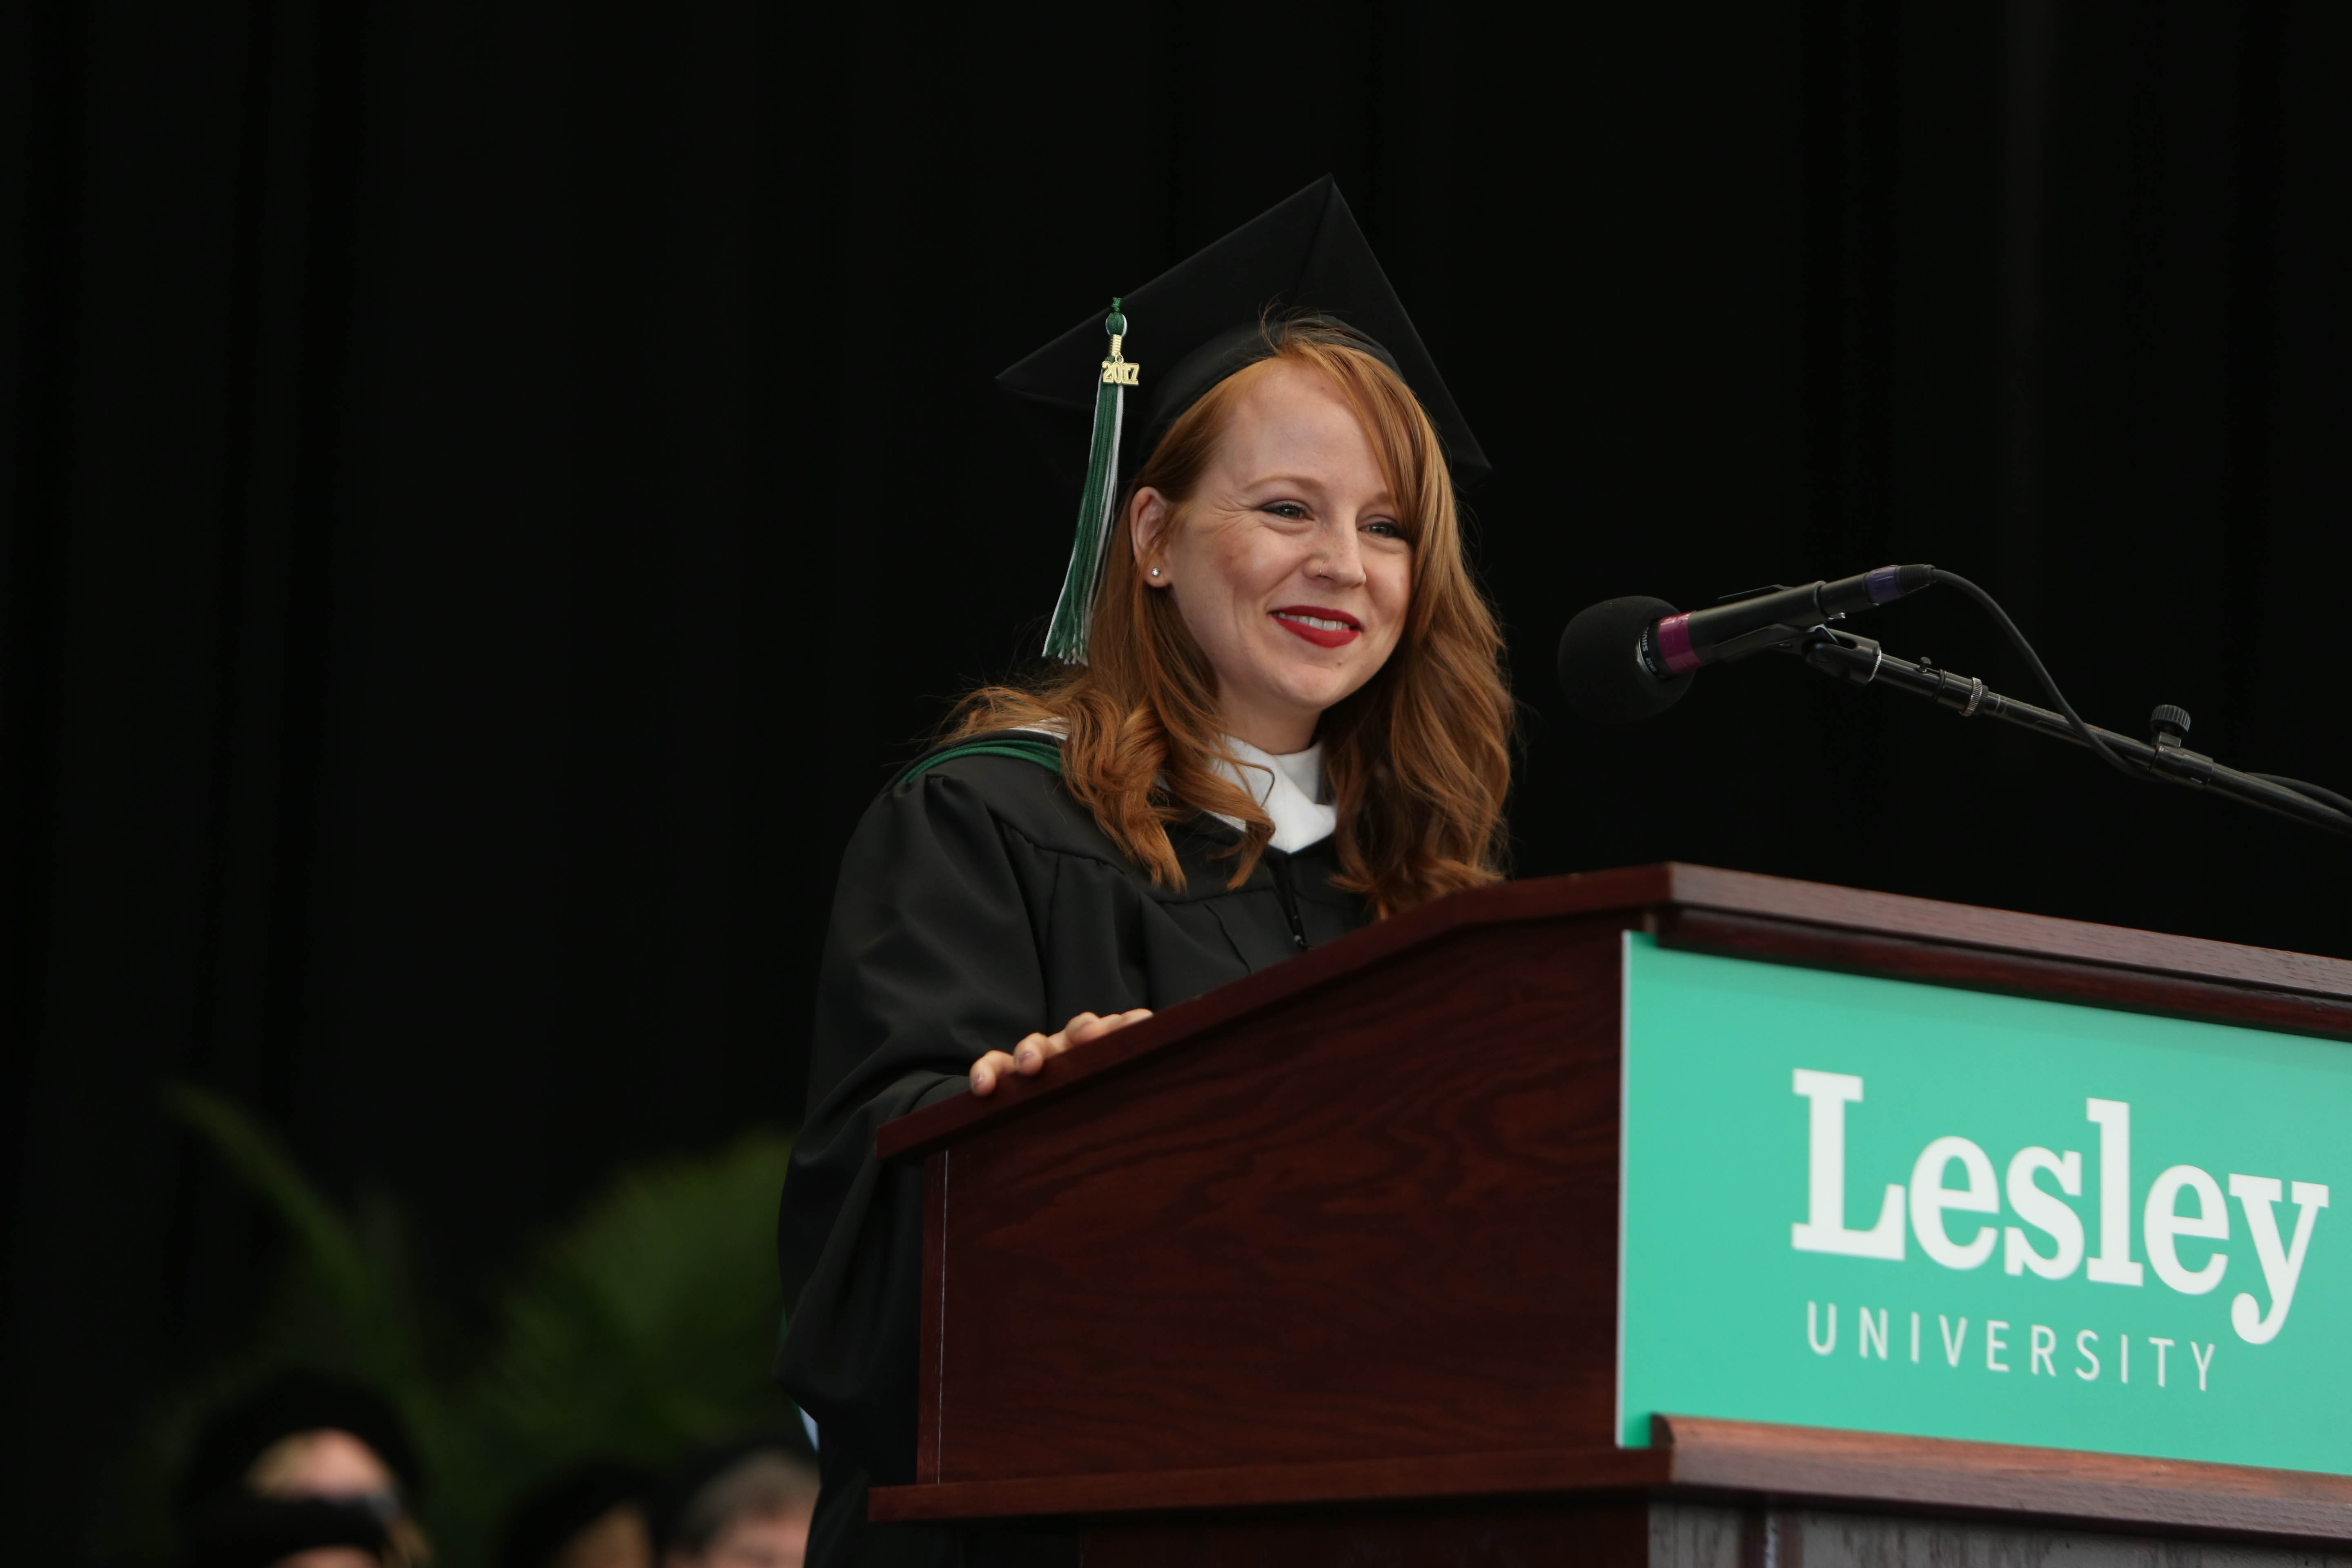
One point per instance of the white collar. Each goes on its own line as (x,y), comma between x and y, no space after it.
(1289,789)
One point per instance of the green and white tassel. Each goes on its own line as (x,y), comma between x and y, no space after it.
(1074,612)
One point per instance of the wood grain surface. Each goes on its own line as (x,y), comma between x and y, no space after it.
(1533,1473)
(2015,973)
(1343,1235)
(1641,895)
(1892,914)
(2057,1484)
(936,1173)
(1373,1221)
(1699,1460)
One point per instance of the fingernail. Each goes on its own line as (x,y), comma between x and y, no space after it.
(1028,1058)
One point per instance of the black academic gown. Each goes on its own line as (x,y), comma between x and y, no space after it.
(977,903)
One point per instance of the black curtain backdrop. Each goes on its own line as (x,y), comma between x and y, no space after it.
(491,489)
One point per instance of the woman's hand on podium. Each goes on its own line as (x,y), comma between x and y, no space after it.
(1030,1054)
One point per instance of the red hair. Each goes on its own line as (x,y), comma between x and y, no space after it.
(1416,761)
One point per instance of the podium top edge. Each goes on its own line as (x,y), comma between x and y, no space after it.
(1646,897)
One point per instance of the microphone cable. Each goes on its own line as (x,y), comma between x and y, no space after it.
(1992,607)
(2090,737)
(2308,791)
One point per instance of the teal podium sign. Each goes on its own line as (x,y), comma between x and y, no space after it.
(1859,1203)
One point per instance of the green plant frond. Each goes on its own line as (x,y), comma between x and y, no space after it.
(639,1328)
(347,1306)
(256,1155)
(648,1321)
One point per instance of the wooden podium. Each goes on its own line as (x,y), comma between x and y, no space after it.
(1322,1266)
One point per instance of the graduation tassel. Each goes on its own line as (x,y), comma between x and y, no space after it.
(1074,612)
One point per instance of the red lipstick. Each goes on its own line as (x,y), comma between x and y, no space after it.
(1337,628)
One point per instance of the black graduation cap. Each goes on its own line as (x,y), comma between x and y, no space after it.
(1190,328)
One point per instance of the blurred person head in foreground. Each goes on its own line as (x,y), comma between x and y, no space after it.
(743,1504)
(592,1516)
(305,1471)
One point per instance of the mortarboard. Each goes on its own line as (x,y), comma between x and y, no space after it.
(1190,328)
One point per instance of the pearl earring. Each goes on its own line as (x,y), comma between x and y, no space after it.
(1155,571)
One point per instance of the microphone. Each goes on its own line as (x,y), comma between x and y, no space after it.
(1628,658)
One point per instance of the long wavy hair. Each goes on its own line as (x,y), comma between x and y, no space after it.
(1416,761)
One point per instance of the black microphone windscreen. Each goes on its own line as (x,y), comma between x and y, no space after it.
(1600,672)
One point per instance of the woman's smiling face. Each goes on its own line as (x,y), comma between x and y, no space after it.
(1288,563)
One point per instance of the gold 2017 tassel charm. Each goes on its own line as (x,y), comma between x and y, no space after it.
(1115,371)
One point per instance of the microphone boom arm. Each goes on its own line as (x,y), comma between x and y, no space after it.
(1860,661)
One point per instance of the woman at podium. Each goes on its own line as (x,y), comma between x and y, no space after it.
(1273,710)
